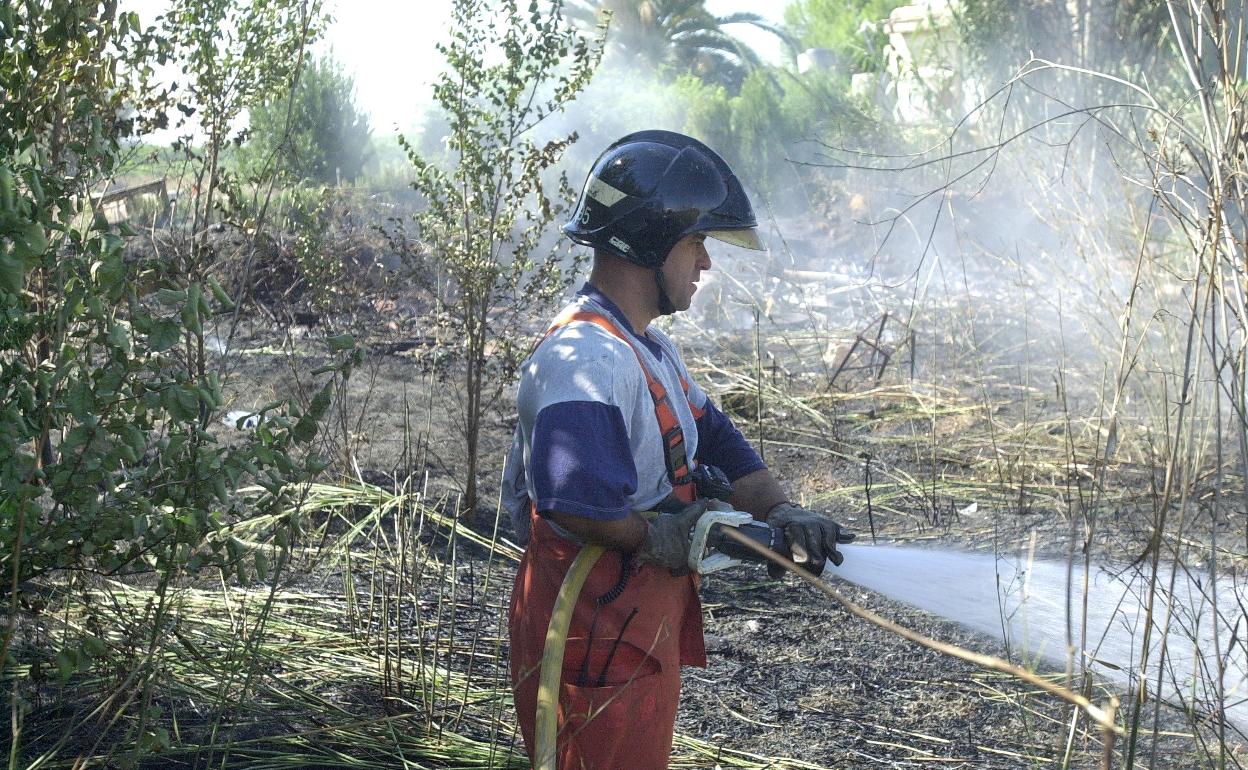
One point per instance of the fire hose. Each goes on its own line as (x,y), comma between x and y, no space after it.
(722,530)
(547,724)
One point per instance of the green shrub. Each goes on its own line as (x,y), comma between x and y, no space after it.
(108,457)
(316,134)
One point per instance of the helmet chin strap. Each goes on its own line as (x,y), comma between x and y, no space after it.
(665,302)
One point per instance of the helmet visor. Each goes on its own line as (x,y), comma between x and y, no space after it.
(746,239)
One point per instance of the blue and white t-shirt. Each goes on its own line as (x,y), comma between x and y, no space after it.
(588,442)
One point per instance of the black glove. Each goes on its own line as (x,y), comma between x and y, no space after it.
(812,538)
(669,538)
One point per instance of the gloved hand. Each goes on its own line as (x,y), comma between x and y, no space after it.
(669,537)
(812,538)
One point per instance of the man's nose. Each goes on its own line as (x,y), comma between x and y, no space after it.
(704,260)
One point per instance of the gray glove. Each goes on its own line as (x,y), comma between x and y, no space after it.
(812,537)
(669,537)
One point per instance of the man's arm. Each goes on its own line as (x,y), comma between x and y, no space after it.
(812,538)
(664,542)
(757,493)
(625,535)
(755,489)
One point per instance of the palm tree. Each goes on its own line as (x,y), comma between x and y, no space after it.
(679,36)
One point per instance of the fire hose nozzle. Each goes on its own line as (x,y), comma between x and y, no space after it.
(710,551)
(704,559)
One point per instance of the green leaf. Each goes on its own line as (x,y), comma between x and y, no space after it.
(155,741)
(219,293)
(164,335)
(183,404)
(12,272)
(321,401)
(80,401)
(190,312)
(119,337)
(77,437)
(66,665)
(171,297)
(304,430)
(31,242)
(113,245)
(219,488)
(134,438)
(341,342)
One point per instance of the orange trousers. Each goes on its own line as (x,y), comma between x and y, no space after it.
(621,669)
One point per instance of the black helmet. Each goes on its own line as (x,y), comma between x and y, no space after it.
(652,188)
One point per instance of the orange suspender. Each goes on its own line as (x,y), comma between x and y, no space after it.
(674,456)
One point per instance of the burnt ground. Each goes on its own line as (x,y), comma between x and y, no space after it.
(791,674)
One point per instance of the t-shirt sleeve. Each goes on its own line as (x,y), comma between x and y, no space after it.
(577,408)
(722,445)
(581,462)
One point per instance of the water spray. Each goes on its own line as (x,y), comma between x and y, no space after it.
(1104,717)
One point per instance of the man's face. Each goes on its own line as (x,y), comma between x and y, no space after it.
(683,268)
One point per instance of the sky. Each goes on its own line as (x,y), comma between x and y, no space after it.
(389,46)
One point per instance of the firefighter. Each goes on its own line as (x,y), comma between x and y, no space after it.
(611,427)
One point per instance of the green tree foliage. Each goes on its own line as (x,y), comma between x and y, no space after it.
(1001,34)
(708,114)
(848,27)
(108,457)
(776,118)
(509,69)
(233,54)
(1125,37)
(317,134)
(679,37)
(758,121)
(749,129)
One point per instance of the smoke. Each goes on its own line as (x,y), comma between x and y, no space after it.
(1013,236)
